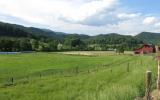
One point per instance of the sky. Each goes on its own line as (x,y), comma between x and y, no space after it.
(91,17)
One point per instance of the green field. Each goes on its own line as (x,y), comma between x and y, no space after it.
(59,76)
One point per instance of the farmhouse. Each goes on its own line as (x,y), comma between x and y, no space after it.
(145,49)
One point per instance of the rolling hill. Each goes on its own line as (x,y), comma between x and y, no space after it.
(148,37)
(14,30)
(14,36)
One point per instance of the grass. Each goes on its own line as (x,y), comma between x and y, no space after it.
(110,82)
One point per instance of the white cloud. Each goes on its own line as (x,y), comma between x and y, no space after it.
(125,15)
(44,10)
(157,24)
(78,16)
(150,21)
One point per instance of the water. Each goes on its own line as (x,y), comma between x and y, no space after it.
(10,52)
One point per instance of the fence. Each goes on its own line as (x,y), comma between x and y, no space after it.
(65,72)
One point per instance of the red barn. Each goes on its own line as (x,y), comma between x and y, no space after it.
(145,49)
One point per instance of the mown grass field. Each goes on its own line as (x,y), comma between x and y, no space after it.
(59,76)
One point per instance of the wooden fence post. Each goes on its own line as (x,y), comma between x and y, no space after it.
(128,67)
(158,68)
(158,79)
(12,81)
(148,85)
(40,75)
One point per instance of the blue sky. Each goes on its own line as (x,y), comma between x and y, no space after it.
(144,6)
(90,17)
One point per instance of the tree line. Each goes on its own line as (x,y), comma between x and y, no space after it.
(12,44)
(15,38)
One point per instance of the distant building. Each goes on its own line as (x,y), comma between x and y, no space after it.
(145,49)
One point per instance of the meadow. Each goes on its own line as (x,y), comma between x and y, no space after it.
(74,76)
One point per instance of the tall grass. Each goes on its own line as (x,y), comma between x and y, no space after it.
(104,84)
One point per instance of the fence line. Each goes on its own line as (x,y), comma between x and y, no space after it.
(67,72)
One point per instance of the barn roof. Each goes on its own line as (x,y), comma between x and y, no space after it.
(145,45)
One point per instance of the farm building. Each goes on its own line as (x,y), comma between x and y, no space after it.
(145,49)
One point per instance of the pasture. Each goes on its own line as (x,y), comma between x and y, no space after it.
(74,76)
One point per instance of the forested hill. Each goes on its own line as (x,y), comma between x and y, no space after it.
(19,38)
(13,30)
(148,37)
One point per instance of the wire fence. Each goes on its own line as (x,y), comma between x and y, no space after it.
(128,63)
